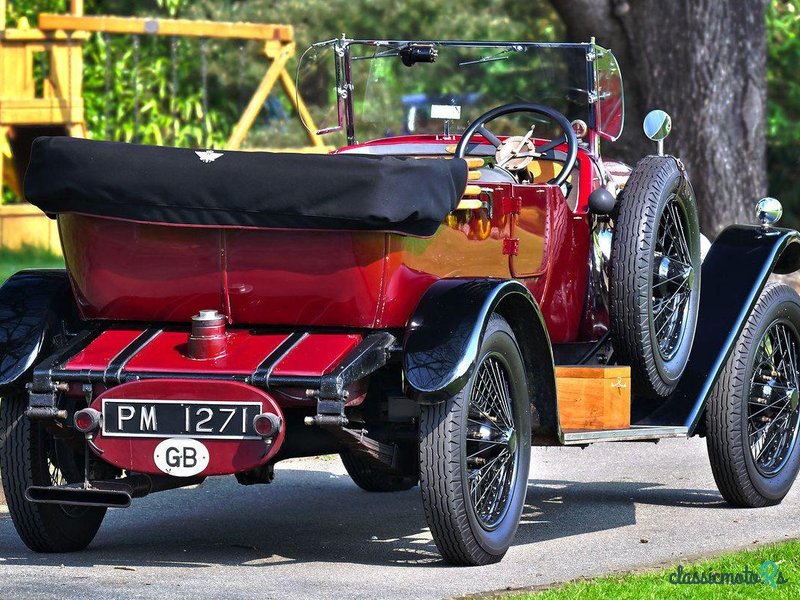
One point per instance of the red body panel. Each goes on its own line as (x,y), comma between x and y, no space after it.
(103,350)
(169,352)
(314,355)
(225,456)
(123,270)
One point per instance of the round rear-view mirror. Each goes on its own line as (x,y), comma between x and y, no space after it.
(657,125)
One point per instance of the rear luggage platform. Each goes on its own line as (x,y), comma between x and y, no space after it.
(120,354)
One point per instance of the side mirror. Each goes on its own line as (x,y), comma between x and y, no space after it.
(657,125)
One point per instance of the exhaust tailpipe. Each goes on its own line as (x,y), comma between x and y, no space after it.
(108,494)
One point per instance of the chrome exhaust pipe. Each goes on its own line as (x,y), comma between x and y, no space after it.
(75,494)
(108,494)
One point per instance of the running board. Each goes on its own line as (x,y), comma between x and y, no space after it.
(636,433)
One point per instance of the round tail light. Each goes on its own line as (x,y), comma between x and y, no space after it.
(87,420)
(267,425)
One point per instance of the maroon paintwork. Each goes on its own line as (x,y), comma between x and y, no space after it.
(225,456)
(314,355)
(161,273)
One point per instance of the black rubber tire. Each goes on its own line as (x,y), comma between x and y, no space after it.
(24,449)
(458,535)
(372,479)
(640,210)
(737,477)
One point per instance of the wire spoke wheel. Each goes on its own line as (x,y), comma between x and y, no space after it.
(491,443)
(475,450)
(672,278)
(772,407)
(753,414)
(654,283)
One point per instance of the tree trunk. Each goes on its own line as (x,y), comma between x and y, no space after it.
(704,62)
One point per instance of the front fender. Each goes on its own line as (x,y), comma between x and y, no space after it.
(444,334)
(735,271)
(32,303)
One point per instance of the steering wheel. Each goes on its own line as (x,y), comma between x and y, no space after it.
(568,137)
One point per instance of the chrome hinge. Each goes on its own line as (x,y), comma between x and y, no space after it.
(594,97)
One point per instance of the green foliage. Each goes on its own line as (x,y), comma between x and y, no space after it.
(315,20)
(153,94)
(158,100)
(130,97)
(783,31)
(16,9)
(783,92)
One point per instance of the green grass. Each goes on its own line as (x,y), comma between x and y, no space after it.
(657,584)
(27,257)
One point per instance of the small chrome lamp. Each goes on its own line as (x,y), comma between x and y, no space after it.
(768,212)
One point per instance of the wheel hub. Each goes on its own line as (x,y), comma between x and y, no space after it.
(671,275)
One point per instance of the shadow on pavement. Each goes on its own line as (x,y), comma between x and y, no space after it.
(310,516)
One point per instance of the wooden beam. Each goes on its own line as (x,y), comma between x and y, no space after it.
(179,27)
(305,117)
(256,103)
(41,111)
(3,147)
(76,7)
(37,35)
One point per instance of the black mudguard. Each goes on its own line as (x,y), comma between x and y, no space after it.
(444,335)
(34,305)
(734,273)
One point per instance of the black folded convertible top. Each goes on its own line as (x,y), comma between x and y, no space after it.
(243,189)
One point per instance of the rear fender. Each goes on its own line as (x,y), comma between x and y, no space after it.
(444,336)
(735,271)
(33,306)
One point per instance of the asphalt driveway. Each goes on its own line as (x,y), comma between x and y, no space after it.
(313,534)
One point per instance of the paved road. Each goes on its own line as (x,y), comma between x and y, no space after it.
(313,534)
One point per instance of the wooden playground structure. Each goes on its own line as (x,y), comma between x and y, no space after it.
(54,105)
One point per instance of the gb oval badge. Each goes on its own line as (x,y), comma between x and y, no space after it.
(181,457)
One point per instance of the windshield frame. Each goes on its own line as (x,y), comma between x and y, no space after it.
(345,88)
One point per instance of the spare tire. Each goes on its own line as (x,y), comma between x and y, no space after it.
(655,275)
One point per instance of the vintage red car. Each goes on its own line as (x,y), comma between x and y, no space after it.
(428,304)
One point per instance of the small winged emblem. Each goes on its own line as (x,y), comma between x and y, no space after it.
(208,156)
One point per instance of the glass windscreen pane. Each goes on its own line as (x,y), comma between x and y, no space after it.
(610,106)
(445,96)
(317,81)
